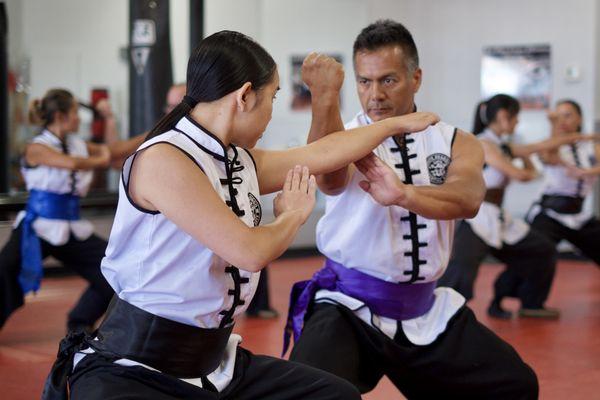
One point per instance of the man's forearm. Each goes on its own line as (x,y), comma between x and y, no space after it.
(326,119)
(449,201)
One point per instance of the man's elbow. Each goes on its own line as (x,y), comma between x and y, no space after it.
(470,208)
(471,202)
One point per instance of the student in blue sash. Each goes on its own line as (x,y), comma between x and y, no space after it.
(570,173)
(186,248)
(57,167)
(374,309)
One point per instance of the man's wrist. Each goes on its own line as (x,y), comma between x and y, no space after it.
(325,96)
(406,197)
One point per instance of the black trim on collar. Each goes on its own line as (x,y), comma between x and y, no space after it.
(212,153)
(53,135)
(209,133)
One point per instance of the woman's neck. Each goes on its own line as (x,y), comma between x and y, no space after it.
(216,117)
(56,131)
(495,129)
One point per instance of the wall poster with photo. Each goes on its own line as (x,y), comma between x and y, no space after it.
(520,71)
(301,99)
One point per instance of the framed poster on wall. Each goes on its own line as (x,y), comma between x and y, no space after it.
(301,100)
(521,71)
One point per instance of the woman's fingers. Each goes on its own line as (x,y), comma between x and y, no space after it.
(288,180)
(296,177)
(304,180)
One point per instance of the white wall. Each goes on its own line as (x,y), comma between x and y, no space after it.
(450,36)
(75,43)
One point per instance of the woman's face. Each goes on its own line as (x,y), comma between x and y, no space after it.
(70,121)
(567,118)
(507,122)
(254,122)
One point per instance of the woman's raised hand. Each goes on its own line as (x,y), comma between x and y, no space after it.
(298,194)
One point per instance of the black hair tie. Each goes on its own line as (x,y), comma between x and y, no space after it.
(190,101)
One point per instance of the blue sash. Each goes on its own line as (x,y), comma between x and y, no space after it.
(46,205)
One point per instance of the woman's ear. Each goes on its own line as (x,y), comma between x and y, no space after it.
(245,97)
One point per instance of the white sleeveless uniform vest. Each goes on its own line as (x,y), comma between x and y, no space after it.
(493,224)
(154,265)
(392,243)
(61,181)
(558,182)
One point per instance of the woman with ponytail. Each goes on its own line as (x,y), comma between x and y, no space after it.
(529,256)
(186,248)
(57,167)
(570,173)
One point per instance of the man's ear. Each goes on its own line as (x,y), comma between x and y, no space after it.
(245,97)
(417,77)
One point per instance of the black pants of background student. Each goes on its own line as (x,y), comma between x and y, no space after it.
(82,256)
(260,301)
(530,266)
(466,361)
(586,239)
(254,378)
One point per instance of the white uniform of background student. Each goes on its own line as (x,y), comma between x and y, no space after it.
(529,256)
(57,169)
(570,173)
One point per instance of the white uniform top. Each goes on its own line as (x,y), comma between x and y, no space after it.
(558,182)
(493,224)
(154,265)
(392,243)
(61,181)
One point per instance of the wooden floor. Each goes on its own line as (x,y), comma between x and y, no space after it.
(565,353)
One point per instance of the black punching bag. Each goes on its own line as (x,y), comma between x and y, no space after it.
(196,23)
(150,71)
(4,145)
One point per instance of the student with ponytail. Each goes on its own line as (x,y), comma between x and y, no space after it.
(186,249)
(57,167)
(529,256)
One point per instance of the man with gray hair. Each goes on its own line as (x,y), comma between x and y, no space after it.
(374,308)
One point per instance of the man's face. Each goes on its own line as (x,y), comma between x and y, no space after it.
(386,88)
(174,97)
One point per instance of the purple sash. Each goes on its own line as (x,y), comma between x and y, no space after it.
(398,301)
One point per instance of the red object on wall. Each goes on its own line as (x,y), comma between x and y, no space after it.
(98,122)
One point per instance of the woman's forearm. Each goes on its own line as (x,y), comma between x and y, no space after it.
(267,242)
